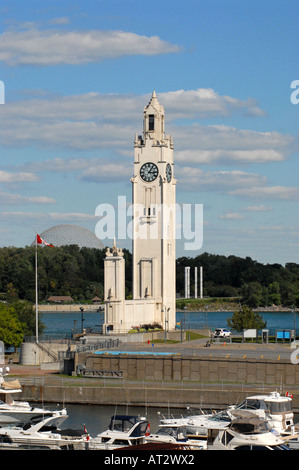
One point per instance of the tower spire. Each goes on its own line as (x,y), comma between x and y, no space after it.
(153,122)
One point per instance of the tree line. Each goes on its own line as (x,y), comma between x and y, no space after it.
(255,284)
(79,272)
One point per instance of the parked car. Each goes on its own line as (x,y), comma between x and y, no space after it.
(222,333)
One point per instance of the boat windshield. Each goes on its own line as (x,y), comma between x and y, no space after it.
(177,432)
(122,423)
(280,406)
(129,424)
(251,404)
(221,416)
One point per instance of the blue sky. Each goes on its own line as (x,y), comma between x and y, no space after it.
(77,76)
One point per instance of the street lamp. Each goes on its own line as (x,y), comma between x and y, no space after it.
(82,319)
(294,313)
(166,310)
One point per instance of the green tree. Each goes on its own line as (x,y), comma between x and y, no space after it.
(251,294)
(25,312)
(274,293)
(11,329)
(245,318)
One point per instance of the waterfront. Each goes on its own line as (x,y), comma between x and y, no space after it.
(59,323)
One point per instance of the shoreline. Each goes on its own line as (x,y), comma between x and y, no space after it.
(76,309)
(220,310)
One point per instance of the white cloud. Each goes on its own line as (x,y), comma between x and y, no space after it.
(89,169)
(61,165)
(268,192)
(56,47)
(271,228)
(197,180)
(17,177)
(48,216)
(105,172)
(205,102)
(117,107)
(60,20)
(231,216)
(71,216)
(226,156)
(209,144)
(94,121)
(260,208)
(7,198)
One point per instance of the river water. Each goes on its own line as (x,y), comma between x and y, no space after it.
(97,417)
(65,323)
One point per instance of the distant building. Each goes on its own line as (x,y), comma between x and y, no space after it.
(67,234)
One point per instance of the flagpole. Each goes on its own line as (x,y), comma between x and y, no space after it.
(36,292)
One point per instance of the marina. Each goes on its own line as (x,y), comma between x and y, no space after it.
(262,421)
(105,428)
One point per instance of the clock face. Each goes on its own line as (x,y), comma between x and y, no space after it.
(168,172)
(149,172)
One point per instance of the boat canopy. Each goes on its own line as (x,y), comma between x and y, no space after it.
(11,385)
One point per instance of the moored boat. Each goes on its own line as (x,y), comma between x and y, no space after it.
(246,433)
(15,411)
(274,407)
(123,431)
(41,433)
(176,435)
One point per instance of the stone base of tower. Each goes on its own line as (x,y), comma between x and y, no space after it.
(121,318)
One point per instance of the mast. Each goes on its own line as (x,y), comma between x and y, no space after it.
(36,292)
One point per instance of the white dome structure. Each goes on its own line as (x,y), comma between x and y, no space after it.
(66,234)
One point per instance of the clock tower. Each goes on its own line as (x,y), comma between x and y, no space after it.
(154,204)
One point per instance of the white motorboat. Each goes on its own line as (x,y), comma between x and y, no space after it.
(277,409)
(176,434)
(123,431)
(246,433)
(15,411)
(43,433)
(197,425)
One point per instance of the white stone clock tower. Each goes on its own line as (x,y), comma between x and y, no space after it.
(153,234)
(154,201)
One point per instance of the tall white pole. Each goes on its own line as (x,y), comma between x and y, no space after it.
(195,282)
(36,292)
(201,282)
(187,282)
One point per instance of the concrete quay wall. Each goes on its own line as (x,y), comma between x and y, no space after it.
(208,398)
(170,381)
(193,369)
(67,308)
